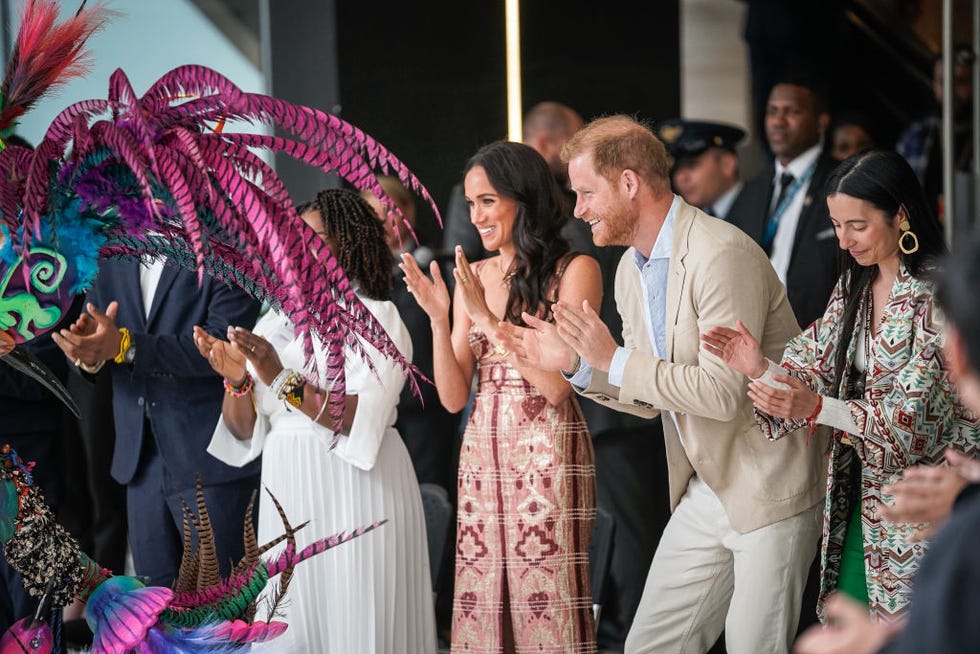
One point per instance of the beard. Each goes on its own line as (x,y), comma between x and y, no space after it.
(618,226)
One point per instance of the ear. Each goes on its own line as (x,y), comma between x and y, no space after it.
(729,164)
(629,183)
(823,120)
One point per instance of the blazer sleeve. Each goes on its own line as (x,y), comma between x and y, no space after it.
(719,294)
(174,354)
(238,453)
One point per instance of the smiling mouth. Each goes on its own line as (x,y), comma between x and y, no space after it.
(595,221)
(486,230)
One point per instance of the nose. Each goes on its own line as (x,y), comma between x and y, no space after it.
(579,209)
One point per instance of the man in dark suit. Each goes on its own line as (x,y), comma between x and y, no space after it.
(166,402)
(705,171)
(785,209)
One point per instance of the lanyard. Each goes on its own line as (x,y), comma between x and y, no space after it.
(791,192)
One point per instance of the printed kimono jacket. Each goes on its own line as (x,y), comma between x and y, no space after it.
(909,415)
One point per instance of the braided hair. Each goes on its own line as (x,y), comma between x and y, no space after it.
(517,172)
(359,238)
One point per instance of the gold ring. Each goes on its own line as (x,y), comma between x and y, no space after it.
(464,280)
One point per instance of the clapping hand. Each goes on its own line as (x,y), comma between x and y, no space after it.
(736,347)
(226,359)
(583,330)
(431,295)
(538,345)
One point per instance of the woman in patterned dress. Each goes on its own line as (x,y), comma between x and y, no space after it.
(526,475)
(872,369)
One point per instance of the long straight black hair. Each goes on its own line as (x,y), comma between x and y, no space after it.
(517,172)
(886,181)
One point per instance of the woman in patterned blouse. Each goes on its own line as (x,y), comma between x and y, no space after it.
(872,370)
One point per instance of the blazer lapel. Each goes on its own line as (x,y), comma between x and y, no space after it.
(167,277)
(676,271)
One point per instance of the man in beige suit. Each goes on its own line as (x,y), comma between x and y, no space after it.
(746,512)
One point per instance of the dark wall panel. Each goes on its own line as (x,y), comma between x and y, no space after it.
(428,79)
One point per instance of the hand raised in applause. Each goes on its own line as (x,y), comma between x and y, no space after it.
(225,359)
(583,330)
(259,352)
(432,295)
(93,338)
(470,291)
(736,347)
(537,345)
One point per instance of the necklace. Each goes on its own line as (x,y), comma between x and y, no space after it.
(505,277)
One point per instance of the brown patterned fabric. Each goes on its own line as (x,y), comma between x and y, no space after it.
(525,514)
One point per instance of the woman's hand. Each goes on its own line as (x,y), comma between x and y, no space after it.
(431,296)
(259,352)
(736,347)
(538,345)
(472,294)
(225,358)
(798,401)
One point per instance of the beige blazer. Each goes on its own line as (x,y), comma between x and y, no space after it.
(717,275)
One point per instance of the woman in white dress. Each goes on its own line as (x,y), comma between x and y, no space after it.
(374,593)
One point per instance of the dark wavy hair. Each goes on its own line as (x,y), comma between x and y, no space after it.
(362,252)
(886,181)
(517,172)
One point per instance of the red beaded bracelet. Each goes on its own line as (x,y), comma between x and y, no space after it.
(812,420)
(240,391)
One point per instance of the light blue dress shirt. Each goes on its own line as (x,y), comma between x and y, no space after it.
(653,280)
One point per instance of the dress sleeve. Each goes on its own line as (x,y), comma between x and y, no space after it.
(809,358)
(228,449)
(377,391)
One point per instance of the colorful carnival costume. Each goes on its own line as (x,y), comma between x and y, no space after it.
(151,177)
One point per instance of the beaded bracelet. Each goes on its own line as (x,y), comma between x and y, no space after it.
(240,391)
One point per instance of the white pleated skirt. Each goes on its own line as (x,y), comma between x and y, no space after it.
(372,594)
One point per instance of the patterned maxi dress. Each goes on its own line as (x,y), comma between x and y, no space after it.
(526,508)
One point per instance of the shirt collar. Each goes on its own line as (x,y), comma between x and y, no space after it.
(723,204)
(797,167)
(665,239)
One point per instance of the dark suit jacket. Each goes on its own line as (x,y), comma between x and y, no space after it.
(812,269)
(169,380)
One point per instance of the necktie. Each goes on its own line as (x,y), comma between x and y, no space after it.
(785,180)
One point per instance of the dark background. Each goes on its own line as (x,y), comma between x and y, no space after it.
(428,80)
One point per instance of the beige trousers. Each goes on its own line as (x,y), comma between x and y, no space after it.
(706,576)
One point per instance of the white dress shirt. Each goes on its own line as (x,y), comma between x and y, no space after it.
(782,245)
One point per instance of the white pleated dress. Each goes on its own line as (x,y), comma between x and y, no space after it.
(372,594)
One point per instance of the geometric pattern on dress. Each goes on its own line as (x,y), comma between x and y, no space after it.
(909,415)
